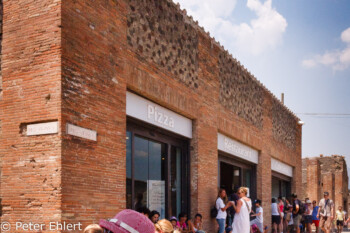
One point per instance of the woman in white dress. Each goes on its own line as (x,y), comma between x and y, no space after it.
(243,207)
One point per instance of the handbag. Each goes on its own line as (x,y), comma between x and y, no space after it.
(214,211)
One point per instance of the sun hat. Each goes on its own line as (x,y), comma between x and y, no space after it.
(128,221)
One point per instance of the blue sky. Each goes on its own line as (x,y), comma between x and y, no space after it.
(300,48)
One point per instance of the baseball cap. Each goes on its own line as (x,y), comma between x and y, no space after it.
(308,202)
(128,221)
(326,193)
(173,218)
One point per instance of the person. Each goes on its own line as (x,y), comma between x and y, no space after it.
(243,208)
(276,216)
(128,221)
(296,214)
(230,211)
(93,228)
(173,221)
(154,216)
(259,212)
(181,223)
(308,215)
(221,207)
(346,222)
(315,220)
(198,224)
(326,213)
(285,211)
(139,201)
(281,207)
(144,210)
(164,226)
(289,219)
(340,219)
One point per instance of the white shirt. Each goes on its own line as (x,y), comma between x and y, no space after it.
(260,218)
(219,205)
(274,210)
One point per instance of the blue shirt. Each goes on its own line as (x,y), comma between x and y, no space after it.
(314,213)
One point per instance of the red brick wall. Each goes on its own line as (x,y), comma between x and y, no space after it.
(31,83)
(93,97)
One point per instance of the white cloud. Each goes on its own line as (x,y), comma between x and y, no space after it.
(345,36)
(256,37)
(337,59)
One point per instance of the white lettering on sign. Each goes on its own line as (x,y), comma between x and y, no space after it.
(42,128)
(81,132)
(153,113)
(281,167)
(237,149)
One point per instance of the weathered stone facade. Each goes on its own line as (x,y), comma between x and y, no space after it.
(74,61)
(239,90)
(161,35)
(326,174)
(283,125)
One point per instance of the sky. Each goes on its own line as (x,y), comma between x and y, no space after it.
(300,48)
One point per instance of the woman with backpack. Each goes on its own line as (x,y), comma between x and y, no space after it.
(221,208)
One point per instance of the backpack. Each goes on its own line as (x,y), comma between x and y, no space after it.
(213,211)
(301,207)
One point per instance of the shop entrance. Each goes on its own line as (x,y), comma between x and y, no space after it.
(236,173)
(157,170)
(280,185)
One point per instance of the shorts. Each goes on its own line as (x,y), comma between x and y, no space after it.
(340,223)
(326,223)
(276,219)
(308,219)
(316,222)
(296,220)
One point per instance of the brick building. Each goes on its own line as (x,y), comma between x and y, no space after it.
(326,173)
(107,105)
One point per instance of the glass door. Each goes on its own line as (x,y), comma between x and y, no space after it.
(148,180)
(157,171)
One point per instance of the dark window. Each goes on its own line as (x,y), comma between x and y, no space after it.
(156,171)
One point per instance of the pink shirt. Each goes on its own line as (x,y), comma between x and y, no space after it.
(181,226)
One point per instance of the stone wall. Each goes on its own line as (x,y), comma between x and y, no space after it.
(326,174)
(239,91)
(159,33)
(283,125)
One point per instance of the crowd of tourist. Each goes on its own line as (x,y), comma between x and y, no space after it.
(288,215)
(293,215)
(234,214)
